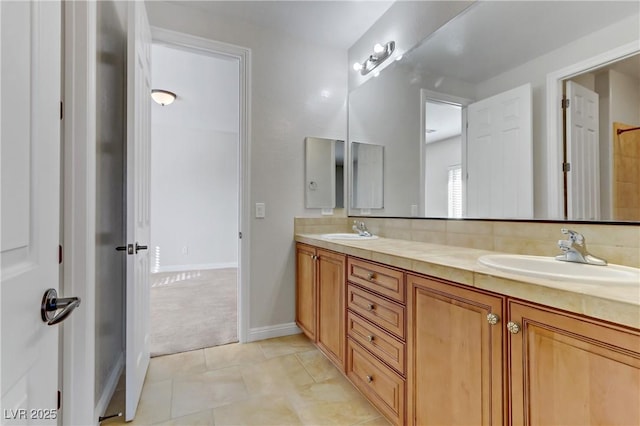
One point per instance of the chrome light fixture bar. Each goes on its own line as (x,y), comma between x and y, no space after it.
(380,54)
(163,97)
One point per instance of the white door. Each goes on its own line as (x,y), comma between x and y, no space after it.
(583,177)
(138,176)
(499,160)
(30,207)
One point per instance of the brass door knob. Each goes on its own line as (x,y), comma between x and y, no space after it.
(513,327)
(493,319)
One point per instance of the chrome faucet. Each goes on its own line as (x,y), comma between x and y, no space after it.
(575,249)
(361,229)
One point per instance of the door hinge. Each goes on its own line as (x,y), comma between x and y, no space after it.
(565,103)
(61,110)
(240,235)
(566,167)
(59,254)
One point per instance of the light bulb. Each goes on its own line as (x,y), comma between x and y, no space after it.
(399,57)
(357,66)
(378,48)
(376,74)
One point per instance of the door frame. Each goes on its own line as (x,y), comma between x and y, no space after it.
(79,210)
(243,55)
(426,95)
(555,131)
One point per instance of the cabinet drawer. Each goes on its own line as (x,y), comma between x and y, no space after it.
(382,312)
(379,383)
(386,347)
(386,281)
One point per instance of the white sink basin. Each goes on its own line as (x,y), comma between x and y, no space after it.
(550,268)
(348,236)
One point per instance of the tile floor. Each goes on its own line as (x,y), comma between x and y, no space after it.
(282,381)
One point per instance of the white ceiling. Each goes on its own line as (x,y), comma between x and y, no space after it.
(330,23)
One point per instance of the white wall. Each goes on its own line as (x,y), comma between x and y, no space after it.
(298,89)
(439,156)
(194,162)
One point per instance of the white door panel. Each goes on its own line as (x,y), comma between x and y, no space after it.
(138,200)
(499,156)
(30,207)
(583,179)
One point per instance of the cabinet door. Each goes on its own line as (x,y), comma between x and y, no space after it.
(570,370)
(306,289)
(455,355)
(331,310)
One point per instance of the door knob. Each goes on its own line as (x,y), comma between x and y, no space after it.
(51,304)
(139,247)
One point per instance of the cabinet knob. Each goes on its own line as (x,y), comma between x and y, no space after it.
(314,257)
(513,327)
(371,276)
(370,307)
(369,379)
(493,319)
(370,338)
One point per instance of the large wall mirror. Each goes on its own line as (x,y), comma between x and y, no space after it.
(472,119)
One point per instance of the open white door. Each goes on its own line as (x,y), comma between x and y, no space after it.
(138,175)
(499,160)
(583,177)
(30,208)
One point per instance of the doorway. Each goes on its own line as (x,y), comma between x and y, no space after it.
(195,200)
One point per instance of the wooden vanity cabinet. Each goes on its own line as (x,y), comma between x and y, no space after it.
(456,370)
(320,295)
(571,370)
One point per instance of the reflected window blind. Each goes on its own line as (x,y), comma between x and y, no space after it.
(455,191)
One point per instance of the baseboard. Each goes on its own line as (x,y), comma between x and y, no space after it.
(110,387)
(271,331)
(196,267)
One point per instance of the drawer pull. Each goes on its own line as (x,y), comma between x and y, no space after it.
(370,338)
(371,276)
(370,307)
(369,379)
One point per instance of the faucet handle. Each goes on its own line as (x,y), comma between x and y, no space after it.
(573,235)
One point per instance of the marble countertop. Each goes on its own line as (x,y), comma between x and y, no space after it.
(615,303)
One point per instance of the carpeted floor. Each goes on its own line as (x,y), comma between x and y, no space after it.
(193,310)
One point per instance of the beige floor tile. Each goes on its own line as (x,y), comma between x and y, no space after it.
(317,365)
(154,405)
(285,345)
(176,365)
(276,376)
(261,410)
(207,390)
(201,418)
(332,402)
(233,354)
(380,421)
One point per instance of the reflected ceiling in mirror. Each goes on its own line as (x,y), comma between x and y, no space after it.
(490,49)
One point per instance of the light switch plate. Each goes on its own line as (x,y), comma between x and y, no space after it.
(260,210)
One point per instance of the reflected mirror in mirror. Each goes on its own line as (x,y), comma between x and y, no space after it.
(367,168)
(324,173)
(492,50)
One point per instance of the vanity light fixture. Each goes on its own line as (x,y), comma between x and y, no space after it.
(163,97)
(380,54)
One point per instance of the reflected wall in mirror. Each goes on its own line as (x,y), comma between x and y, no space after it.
(324,173)
(491,49)
(367,168)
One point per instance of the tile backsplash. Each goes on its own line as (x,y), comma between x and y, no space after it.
(618,244)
